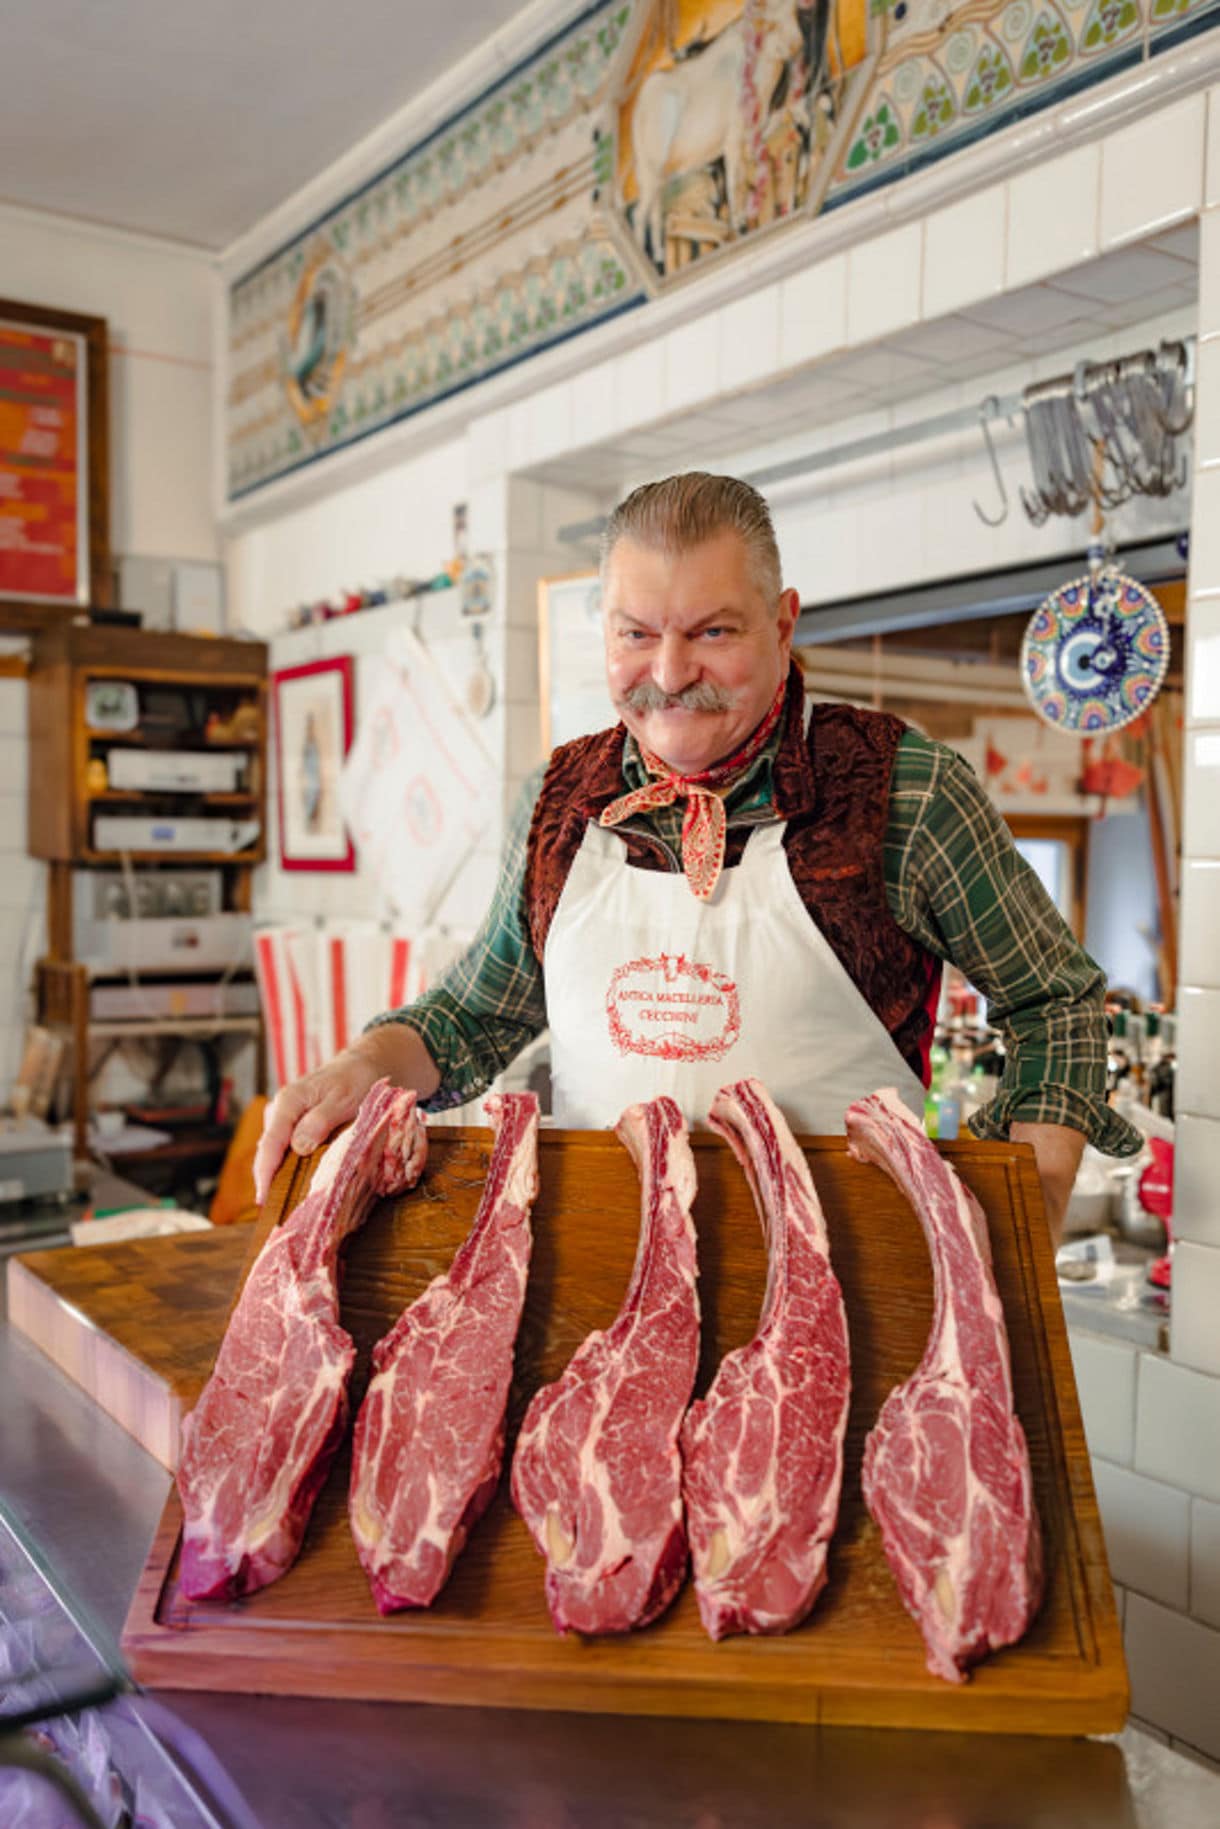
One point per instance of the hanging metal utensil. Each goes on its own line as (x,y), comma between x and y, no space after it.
(987,412)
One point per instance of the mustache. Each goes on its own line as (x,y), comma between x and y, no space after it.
(702,696)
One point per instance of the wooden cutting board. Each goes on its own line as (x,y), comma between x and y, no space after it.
(488,1639)
(136,1325)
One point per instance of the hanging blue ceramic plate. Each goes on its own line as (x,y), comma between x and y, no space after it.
(1095,653)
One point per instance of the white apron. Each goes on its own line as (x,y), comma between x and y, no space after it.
(651,991)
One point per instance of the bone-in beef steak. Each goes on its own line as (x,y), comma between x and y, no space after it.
(597,1474)
(257,1446)
(762,1453)
(946,1469)
(429,1438)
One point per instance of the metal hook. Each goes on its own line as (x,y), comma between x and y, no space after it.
(987,412)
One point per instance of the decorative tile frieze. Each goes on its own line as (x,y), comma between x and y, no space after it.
(647,138)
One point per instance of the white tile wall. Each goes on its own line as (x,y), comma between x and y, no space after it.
(13,706)
(487,515)
(1152,172)
(1177,1431)
(593,404)
(1194,1328)
(884,283)
(521,666)
(963,253)
(22,880)
(524,738)
(1205,1561)
(1211,183)
(813,312)
(487,446)
(1204,531)
(1053,216)
(1196,1182)
(1207,405)
(1147,1528)
(521,434)
(12,819)
(692,362)
(559,507)
(749,339)
(1198,1077)
(552,427)
(1105,1379)
(638,386)
(1175,1672)
(1201,793)
(524,513)
(1199,957)
(1203,704)
(1209,273)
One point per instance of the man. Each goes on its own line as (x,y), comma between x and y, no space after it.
(731,882)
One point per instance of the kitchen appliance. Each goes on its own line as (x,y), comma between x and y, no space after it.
(35,1160)
(176,770)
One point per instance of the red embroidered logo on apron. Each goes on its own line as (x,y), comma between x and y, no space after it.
(673,1008)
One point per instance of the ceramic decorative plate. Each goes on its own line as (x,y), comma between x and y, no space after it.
(1095,653)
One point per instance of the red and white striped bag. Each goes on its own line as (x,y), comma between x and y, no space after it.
(285,960)
(320,986)
(363,970)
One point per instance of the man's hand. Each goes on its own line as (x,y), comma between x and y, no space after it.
(305,1112)
(1057,1149)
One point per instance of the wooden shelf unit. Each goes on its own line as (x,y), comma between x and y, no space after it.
(180,680)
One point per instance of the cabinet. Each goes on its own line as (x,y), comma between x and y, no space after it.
(147,799)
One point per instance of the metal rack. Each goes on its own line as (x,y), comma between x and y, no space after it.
(1135,407)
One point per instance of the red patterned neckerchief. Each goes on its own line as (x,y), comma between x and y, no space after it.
(704,824)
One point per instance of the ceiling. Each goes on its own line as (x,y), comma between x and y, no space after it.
(194,121)
(1147,289)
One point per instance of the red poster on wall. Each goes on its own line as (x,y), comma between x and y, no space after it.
(43,534)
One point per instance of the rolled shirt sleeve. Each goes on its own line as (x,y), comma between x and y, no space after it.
(958,884)
(490,1003)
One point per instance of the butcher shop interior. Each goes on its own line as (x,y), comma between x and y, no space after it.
(548,511)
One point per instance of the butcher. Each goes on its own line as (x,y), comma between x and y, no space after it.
(735,882)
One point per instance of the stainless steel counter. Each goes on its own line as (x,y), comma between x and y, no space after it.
(90,1498)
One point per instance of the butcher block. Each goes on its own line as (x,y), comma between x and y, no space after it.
(488,1639)
(135,1324)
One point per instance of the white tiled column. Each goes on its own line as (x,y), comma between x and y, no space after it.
(1195,1327)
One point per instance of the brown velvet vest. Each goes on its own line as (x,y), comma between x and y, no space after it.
(832,787)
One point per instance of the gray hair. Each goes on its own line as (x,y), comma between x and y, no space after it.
(683,511)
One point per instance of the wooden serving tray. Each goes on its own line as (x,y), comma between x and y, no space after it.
(858,1660)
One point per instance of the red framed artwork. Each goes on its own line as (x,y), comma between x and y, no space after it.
(312,713)
(54,466)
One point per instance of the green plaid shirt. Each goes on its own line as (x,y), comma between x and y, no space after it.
(954,881)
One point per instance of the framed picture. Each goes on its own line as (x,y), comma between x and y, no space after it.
(571,659)
(54,467)
(313,733)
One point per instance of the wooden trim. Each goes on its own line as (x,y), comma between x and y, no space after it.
(152,654)
(1171,595)
(14,666)
(1071,829)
